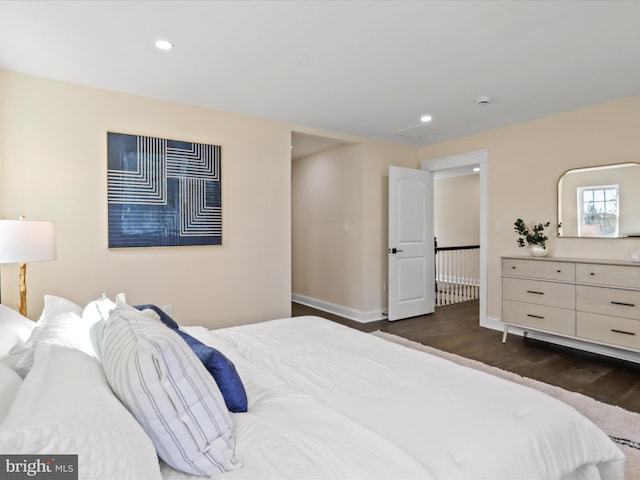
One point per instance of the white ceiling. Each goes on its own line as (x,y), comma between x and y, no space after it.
(368,68)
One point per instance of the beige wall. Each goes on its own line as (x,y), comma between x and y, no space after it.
(457,211)
(525,163)
(53,166)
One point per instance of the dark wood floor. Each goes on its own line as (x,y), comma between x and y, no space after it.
(455,329)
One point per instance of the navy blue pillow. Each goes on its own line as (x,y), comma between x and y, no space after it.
(220,367)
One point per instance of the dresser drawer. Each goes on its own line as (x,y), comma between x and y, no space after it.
(614,275)
(539,317)
(611,330)
(545,270)
(608,301)
(561,295)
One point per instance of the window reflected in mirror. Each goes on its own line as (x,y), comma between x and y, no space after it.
(600,202)
(598,211)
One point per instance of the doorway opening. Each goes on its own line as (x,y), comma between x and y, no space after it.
(325,223)
(457,234)
(455,163)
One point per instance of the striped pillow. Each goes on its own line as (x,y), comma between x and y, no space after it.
(169,391)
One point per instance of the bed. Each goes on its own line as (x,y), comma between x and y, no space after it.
(322,401)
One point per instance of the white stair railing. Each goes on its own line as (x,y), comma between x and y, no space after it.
(457,274)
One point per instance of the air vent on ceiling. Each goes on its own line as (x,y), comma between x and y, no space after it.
(417,131)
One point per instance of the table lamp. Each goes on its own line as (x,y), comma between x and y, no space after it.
(23,241)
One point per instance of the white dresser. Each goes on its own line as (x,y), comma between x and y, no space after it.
(596,301)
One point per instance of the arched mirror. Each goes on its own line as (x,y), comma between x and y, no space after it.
(600,202)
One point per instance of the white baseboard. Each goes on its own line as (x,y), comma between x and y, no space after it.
(350,313)
(495,324)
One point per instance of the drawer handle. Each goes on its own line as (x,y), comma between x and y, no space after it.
(622,331)
(623,304)
(535,316)
(592,274)
(535,293)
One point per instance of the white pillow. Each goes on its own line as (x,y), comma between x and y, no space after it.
(64,323)
(169,391)
(9,384)
(14,329)
(65,406)
(54,305)
(66,329)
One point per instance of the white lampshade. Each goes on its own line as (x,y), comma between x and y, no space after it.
(23,241)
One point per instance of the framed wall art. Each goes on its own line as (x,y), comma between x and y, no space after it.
(163,192)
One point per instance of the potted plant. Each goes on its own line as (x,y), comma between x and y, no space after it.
(532,237)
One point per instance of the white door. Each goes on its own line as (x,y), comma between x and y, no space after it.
(411,250)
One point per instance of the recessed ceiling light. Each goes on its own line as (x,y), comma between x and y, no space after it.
(163,45)
(425,118)
(476,169)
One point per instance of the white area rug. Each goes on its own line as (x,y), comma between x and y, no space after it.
(621,425)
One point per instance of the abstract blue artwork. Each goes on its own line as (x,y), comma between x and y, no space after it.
(163,192)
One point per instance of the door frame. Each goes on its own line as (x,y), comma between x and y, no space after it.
(481,158)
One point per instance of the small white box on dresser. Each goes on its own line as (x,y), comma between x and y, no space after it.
(595,301)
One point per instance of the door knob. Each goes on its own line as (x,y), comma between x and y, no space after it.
(395,250)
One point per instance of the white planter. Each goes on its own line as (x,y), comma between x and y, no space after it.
(538,250)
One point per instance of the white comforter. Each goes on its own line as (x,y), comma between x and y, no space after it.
(327,401)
